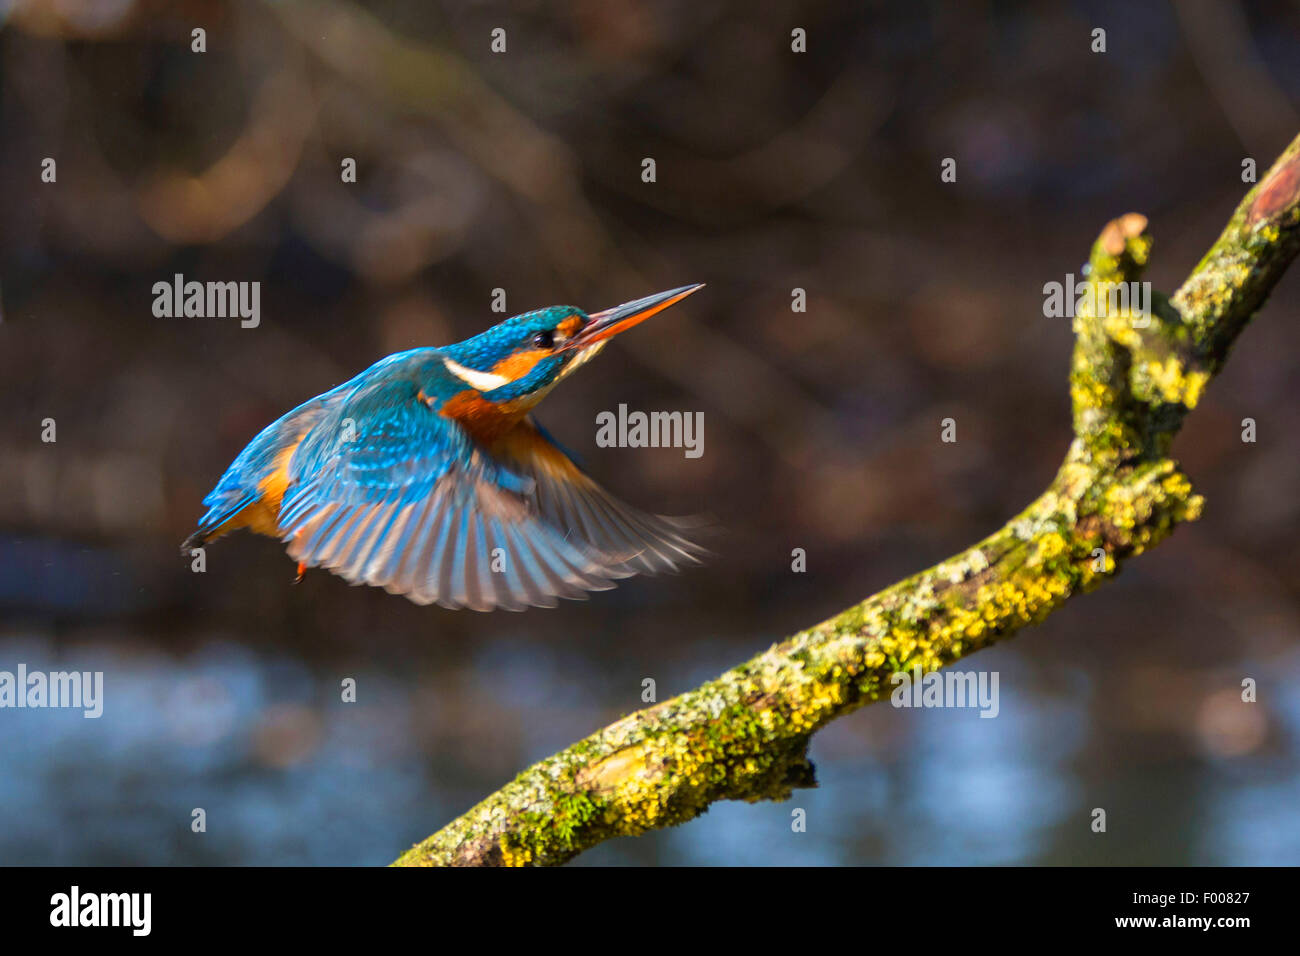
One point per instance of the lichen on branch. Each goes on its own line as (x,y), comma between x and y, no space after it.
(1134,376)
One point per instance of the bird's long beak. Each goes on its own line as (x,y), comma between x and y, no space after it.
(606,324)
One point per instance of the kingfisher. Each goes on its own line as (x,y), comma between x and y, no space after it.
(427,475)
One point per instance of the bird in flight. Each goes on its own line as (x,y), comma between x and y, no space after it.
(426,475)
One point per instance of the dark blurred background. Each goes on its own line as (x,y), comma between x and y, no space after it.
(522,171)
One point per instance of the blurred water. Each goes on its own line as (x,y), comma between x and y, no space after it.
(289,774)
(1255,814)
(285,774)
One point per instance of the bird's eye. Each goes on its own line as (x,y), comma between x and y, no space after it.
(544,340)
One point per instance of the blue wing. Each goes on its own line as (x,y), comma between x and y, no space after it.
(386,491)
(241,484)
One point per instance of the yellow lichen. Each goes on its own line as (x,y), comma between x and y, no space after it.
(515,856)
(1174,383)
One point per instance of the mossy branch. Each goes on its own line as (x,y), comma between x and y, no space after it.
(745,735)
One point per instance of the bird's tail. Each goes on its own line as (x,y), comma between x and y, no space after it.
(222,507)
(197,540)
(240,486)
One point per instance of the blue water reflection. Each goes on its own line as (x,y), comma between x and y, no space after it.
(288,773)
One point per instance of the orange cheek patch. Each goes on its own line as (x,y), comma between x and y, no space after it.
(569,327)
(515,367)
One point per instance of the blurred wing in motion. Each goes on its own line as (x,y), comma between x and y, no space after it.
(409,502)
(567,498)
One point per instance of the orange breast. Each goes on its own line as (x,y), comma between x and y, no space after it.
(485,421)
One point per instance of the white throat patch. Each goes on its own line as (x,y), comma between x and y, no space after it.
(481,381)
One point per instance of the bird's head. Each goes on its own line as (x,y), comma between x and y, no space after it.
(524,357)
